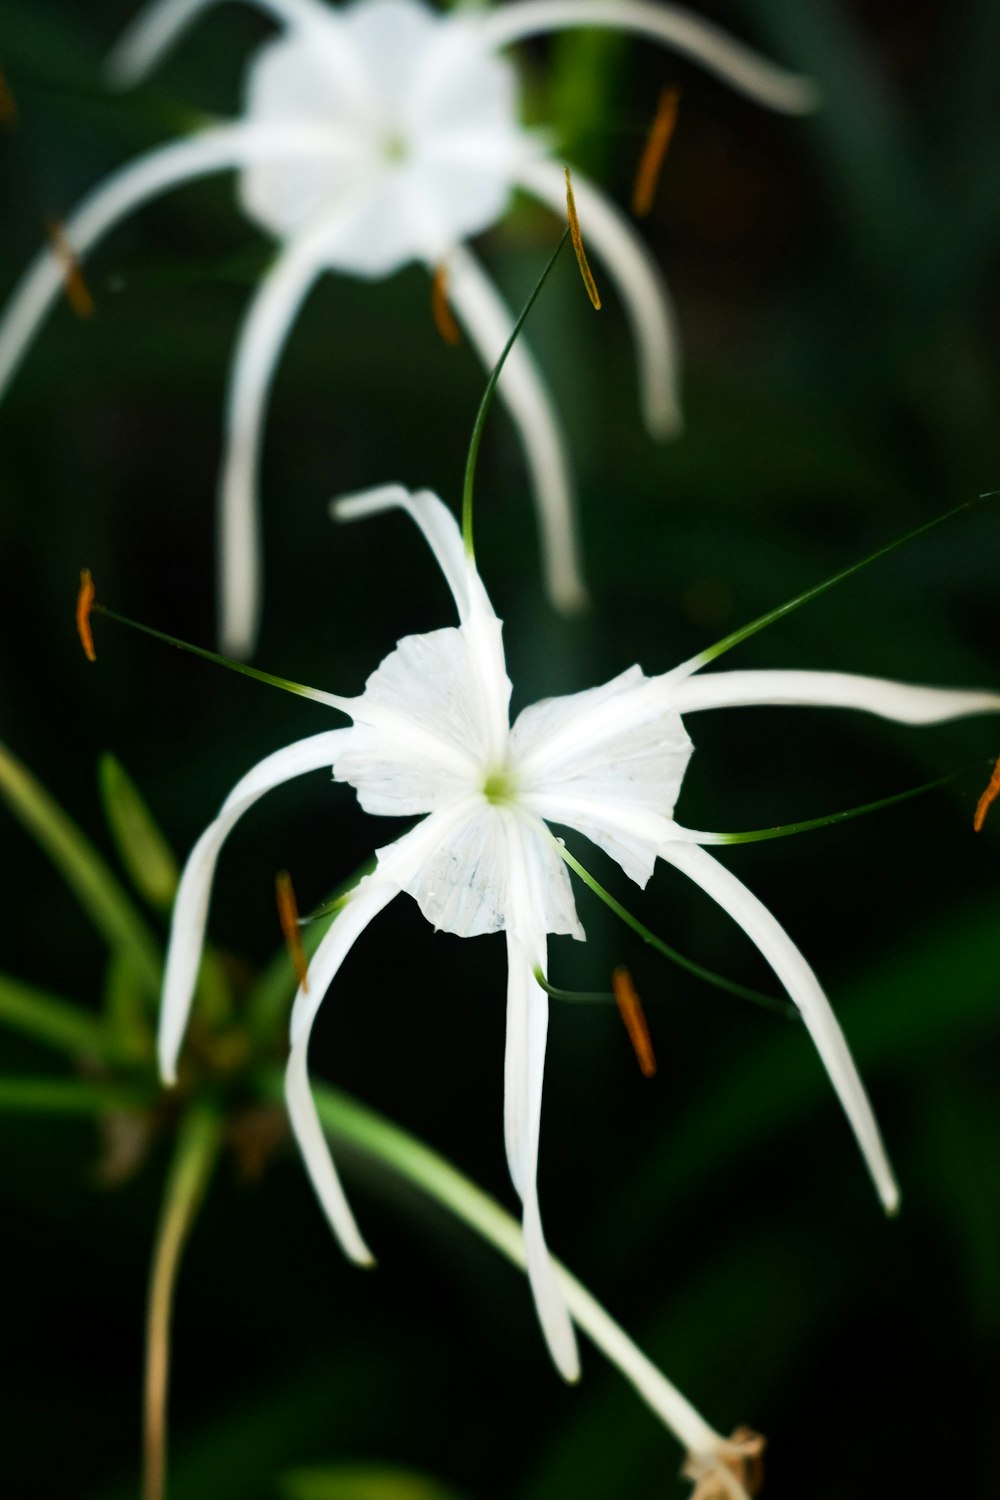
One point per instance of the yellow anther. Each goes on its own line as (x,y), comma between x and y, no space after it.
(288,916)
(661,132)
(8,104)
(630,1009)
(988,798)
(84,605)
(577,238)
(441,308)
(77,291)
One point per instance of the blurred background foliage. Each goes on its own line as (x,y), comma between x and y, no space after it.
(836,285)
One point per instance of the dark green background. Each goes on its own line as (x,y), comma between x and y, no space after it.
(837,292)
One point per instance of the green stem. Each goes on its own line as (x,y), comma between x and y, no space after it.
(784,830)
(83,869)
(199,1141)
(741,991)
(577,997)
(365,1130)
(484,405)
(737,636)
(287,685)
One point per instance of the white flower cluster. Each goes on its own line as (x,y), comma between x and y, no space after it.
(375,135)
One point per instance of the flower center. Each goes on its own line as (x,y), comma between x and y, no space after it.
(498,786)
(394,147)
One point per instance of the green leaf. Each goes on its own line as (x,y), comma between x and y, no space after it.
(67,1096)
(52,1020)
(145,853)
(82,868)
(363,1482)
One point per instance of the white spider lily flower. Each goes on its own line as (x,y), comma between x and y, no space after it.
(376,135)
(431,737)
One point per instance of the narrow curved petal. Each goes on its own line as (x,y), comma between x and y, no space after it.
(804,988)
(397,865)
(157,28)
(688,34)
(524,1066)
(643,291)
(435,521)
(263,336)
(364,906)
(187,930)
(489,324)
(126,190)
(902,701)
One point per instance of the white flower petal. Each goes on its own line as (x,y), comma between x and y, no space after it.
(433,117)
(524,1065)
(435,521)
(642,289)
(396,866)
(366,903)
(803,987)
(464,886)
(265,330)
(629,834)
(156,29)
(488,324)
(608,761)
(902,701)
(127,189)
(431,731)
(700,40)
(187,930)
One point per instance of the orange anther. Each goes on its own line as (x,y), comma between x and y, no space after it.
(988,798)
(654,152)
(577,238)
(288,916)
(630,1009)
(441,309)
(77,291)
(84,605)
(8,104)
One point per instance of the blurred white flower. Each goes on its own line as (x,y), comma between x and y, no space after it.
(376,135)
(431,736)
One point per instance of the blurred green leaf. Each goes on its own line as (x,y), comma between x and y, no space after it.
(127,1010)
(51,1019)
(145,853)
(82,868)
(363,1482)
(66,1096)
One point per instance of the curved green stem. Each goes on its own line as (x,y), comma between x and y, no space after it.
(484,405)
(741,991)
(198,1144)
(784,830)
(362,1128)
